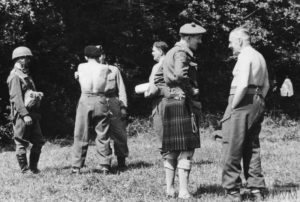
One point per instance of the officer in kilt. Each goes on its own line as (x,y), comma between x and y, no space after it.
(180,109)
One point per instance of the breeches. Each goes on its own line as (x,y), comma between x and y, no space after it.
(24,135)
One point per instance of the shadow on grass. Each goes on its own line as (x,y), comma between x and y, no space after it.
(138,165)
(203,162)
(282,190)
(215,189)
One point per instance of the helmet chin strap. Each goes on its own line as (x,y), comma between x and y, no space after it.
(21,67)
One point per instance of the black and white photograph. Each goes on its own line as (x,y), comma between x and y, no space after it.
(149,100)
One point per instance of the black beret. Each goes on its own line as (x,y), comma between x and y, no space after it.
(92,51)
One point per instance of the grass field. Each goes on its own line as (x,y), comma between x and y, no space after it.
(144,178)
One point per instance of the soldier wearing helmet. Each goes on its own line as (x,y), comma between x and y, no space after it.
(25,115)
(180,109)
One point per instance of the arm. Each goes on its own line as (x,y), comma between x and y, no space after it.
(180,66)
(16,96)
(121,89)
(242,80)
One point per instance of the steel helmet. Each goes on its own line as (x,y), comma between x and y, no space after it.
(21,51)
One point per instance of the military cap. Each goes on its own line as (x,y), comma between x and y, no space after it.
(192,29)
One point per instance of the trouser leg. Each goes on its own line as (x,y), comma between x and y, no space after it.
(117,130)
(37,141)
(252,160)
(81,138)
(102,127)
(21,154)
(234,130)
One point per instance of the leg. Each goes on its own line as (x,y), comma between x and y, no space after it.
(102,126)
(117,132)
(252,161)
(234,130)
(38,141)
(81,132)
(170,166)
(184,168)
(20,130)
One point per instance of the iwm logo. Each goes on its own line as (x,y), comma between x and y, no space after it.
(284,191)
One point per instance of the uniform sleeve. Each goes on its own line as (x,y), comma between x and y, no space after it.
(121,89)
(180,66)
(16,96)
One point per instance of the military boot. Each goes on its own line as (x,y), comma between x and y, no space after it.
(22,160)
(33,162)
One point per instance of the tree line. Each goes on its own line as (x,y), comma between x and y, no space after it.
(57,32)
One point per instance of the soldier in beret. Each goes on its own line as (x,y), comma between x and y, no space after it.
(25,102)
(92,111)
(180,109)
(241,123)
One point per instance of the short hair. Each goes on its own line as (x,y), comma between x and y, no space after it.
(241,32)
(163,46)
(92,51)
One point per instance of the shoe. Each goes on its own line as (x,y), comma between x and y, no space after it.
(35,171)
(184,196)
(105,169)
(171,194)
(75,170)
(256,195)
(234,196)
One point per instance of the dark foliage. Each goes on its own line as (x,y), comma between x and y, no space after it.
(57,32)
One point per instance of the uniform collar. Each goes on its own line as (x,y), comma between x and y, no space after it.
(185,47)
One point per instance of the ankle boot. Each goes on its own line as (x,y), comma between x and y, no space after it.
(22,160)
(33,162)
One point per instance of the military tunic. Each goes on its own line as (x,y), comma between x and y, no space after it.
(117,99)
(18,83)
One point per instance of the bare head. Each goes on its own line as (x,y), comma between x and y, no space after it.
(238,39)
(159,49)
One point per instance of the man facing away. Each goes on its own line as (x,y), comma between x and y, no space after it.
(92,111)
(241,123)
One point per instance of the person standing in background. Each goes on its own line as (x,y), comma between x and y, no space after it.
(25,102)
(159,51)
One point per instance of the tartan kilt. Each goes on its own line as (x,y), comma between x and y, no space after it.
(177,126)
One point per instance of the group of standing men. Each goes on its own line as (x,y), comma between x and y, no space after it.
(176,111)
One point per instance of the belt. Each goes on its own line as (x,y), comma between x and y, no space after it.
(93,93)
(251,89)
